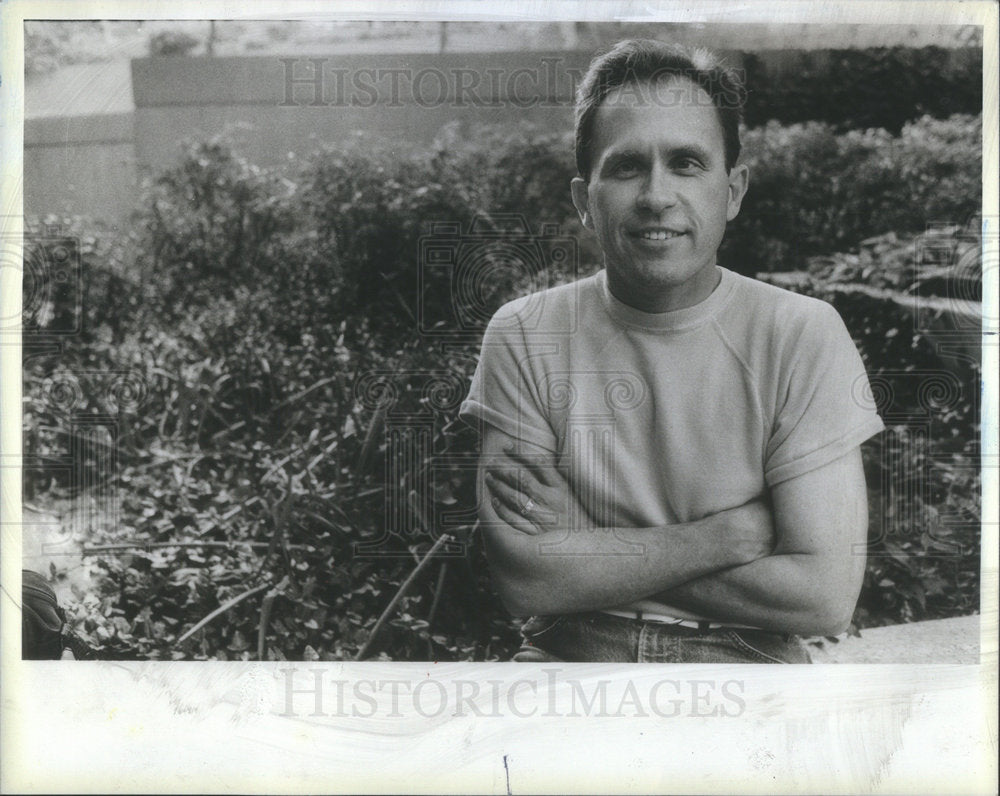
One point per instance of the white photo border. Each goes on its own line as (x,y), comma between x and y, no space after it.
(220,727)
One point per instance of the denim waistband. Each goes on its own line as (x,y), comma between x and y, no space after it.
(684,626)
(664,619)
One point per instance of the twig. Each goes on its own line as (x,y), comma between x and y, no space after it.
(222,609)
(107,548)
(364,458)
(391,607)
(191,465)
(277,466)
(234,511)
(265,617)
(322,519)
(437,593)
(402,302)
(303,393)
(378,490)
(319,456)
(233,427)
(404,588)
(434,606)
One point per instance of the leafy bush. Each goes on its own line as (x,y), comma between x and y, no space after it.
(250,402)
(813,191)
(212,225)
(172,43)
(266,316)
(862,88)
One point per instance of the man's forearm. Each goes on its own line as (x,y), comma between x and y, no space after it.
(810,584)
(589,569)
(791,592)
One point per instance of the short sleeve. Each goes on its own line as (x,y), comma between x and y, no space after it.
(825,407)
(504,391)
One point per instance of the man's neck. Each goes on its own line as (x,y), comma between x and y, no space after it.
(666,299)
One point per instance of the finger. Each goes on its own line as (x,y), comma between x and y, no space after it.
(508,494)
(512,501)
(544,519)
(546,474)
(516,498)
(515,520)
(530,476)
(520,481)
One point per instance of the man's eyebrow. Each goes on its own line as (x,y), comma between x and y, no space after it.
(690,151)
(624,154)
(694,151)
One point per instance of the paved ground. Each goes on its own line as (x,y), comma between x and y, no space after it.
(937,641)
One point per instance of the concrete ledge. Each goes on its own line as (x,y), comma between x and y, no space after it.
(63,131)
(942,641)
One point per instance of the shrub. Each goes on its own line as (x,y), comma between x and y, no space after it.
(213,223)
(862,88)
(813,191)
(172,43)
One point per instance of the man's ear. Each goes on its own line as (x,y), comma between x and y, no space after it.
(739,180)
(578,188)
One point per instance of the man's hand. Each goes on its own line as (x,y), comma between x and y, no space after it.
(534,497)
(545,565)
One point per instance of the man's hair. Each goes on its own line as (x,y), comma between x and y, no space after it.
(638,61)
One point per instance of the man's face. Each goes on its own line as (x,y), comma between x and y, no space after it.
(659,193)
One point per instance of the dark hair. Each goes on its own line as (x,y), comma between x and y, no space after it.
(637,61)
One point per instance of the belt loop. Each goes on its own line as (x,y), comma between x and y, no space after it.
(704,626)
(638,615)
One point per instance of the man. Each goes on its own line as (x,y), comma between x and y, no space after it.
(670,451)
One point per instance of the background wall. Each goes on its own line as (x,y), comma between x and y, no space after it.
(90,164)
(83,165)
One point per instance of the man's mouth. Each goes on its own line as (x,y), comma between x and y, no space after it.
(658,234)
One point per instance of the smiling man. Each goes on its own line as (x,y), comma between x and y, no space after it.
(670,451)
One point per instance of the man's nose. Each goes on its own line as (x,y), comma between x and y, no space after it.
(659,190)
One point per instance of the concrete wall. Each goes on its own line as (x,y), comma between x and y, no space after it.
(80,166)
(273,106)
(179,98)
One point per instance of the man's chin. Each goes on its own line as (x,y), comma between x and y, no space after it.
(661,276)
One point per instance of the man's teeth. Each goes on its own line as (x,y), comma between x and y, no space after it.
(660,235)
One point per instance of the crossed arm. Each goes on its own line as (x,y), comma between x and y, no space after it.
(795,565)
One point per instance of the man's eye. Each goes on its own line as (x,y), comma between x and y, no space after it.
(687,164)
(626,168)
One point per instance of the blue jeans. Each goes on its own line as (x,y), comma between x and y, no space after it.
(602,638)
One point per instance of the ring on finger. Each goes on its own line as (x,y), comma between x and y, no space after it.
(528,506)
